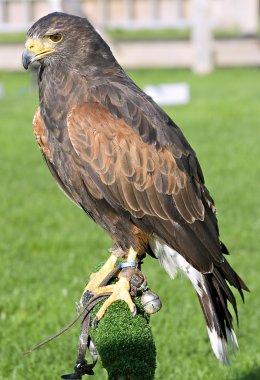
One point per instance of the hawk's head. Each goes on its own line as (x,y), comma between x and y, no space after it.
(64,39)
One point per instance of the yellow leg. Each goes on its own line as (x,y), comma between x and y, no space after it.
(132,254)
(119,290)
(98,277)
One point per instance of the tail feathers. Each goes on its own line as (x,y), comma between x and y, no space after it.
(232,277)
(218,318)
(221,346)
(213,294)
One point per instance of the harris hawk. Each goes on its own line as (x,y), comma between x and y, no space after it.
(117,155)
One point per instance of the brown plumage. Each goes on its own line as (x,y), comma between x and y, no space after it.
(120,158)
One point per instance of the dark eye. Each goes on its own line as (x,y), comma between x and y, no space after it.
(57,37)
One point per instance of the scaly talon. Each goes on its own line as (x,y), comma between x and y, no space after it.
(94,323)
(98,277)
(119,291)
(135,311)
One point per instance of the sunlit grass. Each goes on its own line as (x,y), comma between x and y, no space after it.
(12,38)
(48,246)
(118,34)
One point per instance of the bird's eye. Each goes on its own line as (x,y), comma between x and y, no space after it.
(57,37)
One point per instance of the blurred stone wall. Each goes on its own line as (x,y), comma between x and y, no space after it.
(239,14)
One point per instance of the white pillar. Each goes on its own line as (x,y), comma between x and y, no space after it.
(202,39)
(72,7)
(3,11)
(249,16)
(180,6)
(128,10)
(55,5)
(155,11)
(104,16)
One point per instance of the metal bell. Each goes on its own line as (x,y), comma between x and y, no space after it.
(151,302)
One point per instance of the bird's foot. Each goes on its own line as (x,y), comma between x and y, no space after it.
(118,291)
(97,278)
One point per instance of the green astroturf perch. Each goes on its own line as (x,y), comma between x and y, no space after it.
(122,160)
(125,344)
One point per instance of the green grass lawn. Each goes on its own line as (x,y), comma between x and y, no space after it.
(48,246)
(119,34)
(148,34)
(167,34)
(12,38)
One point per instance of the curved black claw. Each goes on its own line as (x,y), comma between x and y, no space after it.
(135,311)
(94,323)
(85,298)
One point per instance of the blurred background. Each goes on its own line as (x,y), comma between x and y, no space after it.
(199,34)
(200,60)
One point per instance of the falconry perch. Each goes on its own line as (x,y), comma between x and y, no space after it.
(117,155)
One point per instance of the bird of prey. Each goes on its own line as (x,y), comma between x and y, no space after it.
(117,155)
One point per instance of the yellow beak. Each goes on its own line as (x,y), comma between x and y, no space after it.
(35,50)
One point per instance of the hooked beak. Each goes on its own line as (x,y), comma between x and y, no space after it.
(34,51)
(27,58)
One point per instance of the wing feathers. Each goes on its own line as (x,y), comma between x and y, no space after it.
(135,165)
(145,180)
